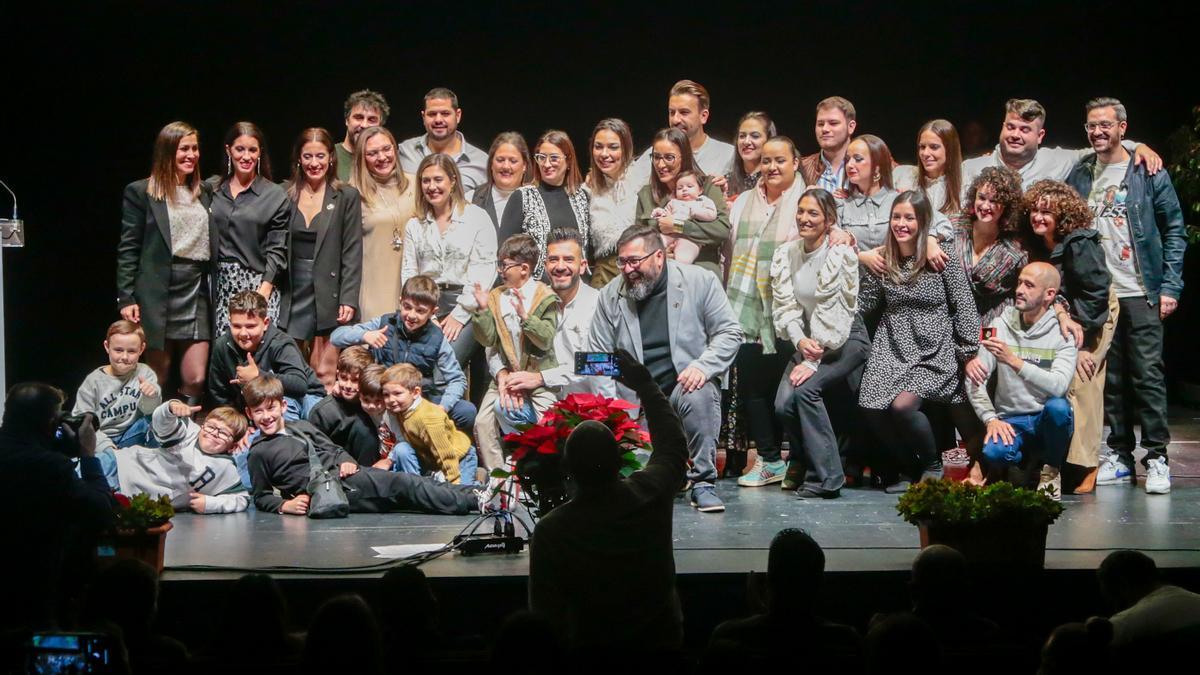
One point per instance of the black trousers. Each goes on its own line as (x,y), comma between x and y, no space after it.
(805,413)
(1135,389)
(757,382)
(377,491)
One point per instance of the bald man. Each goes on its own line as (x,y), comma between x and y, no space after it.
(1029,419)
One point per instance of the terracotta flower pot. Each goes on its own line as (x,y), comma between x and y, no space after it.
(147,545)
(1006,544)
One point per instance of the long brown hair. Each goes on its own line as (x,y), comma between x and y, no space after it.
(687,160)
(881,160)
(596,180)
(891,248)
(516,140)
(739,171)
(562,141)
(312,135)
(248,129)
(162,167)
(362,178)
(458,201)
(944,130)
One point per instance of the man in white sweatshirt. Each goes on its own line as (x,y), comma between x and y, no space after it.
(1030,416)
(192,466)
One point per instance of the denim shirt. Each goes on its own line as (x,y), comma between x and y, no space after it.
(1156,220)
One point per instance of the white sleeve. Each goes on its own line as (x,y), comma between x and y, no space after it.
(230,502)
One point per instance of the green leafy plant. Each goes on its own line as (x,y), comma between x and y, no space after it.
(142,511)
(1184,165)
(948,502)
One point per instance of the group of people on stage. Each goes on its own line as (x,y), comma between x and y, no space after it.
(399,306)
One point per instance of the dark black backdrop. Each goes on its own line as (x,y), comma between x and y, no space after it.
(88,88)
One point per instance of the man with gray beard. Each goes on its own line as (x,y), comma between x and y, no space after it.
(676,319)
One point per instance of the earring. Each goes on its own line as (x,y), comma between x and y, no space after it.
(876,178)
(258,166)
(228,166)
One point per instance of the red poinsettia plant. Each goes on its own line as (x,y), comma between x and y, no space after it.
(550,433)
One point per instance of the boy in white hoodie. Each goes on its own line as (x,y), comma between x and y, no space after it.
(1029,416)
(192,466)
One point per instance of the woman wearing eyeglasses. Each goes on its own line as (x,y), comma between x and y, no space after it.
(671,154)
(557,197)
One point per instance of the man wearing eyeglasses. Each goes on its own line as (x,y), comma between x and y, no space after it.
(676,319)
(1020,149)
(1144,238)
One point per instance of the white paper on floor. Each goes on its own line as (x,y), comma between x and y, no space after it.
(404,550)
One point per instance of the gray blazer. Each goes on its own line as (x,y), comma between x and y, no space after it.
(705,334)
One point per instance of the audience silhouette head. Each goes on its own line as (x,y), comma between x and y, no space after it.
(1126,577)
(795,564)
(939,574)
(591,456)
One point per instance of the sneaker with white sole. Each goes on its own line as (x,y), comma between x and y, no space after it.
(1114,472)
(1158,477)
(1050,482)
(763,473)
(705,499)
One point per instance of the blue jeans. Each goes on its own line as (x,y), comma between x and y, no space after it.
(509,420)
(108,464)
(298,410)
(138,433)
(1047,433)
(405,460)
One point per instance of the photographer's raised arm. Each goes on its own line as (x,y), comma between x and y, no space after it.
(667,467)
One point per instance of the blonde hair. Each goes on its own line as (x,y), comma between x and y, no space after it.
(123,327)
(403,374)
(232,419)
(162,167)
(361,177)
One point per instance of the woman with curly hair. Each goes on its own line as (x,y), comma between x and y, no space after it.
(1060,232)
(986,237)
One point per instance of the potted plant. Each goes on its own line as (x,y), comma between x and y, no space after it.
(537,448)
(140,531)
(994,524)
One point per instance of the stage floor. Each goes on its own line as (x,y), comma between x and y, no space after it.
(861,532)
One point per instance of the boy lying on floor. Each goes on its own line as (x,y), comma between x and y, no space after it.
(192,466)
(279,467)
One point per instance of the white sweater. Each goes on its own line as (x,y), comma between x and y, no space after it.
(179,468)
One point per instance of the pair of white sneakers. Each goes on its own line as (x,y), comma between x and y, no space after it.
(1113,471)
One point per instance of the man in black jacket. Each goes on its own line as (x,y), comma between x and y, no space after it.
(279,467)
(603,565)
(51,532)
(253,347)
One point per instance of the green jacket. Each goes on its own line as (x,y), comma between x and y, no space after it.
(537,331)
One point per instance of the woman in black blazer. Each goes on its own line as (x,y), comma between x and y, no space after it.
(509,167)
(325,265)
(164,259)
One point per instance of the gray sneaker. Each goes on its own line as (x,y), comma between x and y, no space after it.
(705,499)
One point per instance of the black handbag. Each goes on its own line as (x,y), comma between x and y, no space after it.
(326,496)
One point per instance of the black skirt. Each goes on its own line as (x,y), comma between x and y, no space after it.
(302,320)
(188,316)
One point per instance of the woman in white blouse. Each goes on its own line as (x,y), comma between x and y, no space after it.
(938,172)
(614,180)
(815,288)
(453,242)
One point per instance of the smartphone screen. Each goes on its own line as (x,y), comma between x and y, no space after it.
(596,363)
(70,653)
(987,333)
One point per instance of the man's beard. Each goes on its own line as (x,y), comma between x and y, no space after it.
(640,290)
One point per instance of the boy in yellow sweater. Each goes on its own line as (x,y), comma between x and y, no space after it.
(427,442)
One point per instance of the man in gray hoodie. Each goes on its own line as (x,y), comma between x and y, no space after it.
(1029,416)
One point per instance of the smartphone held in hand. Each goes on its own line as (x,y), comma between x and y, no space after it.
(596,363)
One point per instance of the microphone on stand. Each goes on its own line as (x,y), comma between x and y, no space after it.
(12,229)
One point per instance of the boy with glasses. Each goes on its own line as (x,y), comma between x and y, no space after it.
(516,323)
